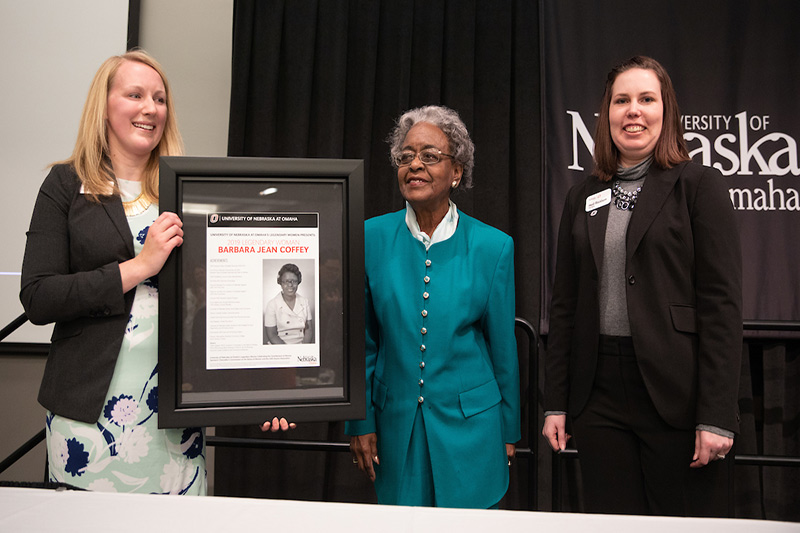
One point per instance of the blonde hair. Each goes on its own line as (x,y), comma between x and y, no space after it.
(90,158)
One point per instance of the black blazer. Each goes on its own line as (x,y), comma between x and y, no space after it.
(684,294)
(70,276)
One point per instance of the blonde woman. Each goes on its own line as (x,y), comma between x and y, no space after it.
(95,246)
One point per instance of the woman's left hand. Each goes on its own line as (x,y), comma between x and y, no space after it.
(511,451)
(163,235)
(709,447)
(276,425)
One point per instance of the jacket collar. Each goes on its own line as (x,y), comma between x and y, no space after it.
(658,185)
(596,223)
(116,213)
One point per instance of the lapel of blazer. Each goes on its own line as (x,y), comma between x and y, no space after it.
(657,187)
(596,224)
(116,213)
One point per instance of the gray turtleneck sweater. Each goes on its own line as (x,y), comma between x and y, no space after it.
(613,302)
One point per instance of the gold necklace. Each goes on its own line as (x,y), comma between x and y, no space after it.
(137,206)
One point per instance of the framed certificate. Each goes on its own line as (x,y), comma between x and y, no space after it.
(261,308)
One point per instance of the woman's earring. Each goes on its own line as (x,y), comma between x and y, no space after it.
(455,184)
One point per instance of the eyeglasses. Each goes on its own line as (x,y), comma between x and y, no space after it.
(292,282)
(429,156)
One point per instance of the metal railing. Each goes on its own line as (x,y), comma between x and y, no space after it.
(530,399)
(529,454)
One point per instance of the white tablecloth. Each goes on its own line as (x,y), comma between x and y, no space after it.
(35,510)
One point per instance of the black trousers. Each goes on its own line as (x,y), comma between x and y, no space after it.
(631,460)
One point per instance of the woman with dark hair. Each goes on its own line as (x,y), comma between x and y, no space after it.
(645,333)
(287,317)
(442,372)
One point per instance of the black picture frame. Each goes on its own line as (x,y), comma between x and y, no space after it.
(190,393)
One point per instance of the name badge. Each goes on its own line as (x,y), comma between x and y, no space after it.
(598,200)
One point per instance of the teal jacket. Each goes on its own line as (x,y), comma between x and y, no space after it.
(440,337)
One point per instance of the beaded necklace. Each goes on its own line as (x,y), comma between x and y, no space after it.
(626,200)
(623,199)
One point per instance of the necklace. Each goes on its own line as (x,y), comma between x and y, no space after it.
(623,199)
(137,206)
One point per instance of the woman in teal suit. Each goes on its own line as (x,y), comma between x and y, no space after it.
(442,371)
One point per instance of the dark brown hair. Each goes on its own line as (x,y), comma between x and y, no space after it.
(670,148)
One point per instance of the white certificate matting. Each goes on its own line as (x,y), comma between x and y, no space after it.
(244,253)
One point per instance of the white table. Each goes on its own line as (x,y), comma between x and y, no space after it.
(35,510)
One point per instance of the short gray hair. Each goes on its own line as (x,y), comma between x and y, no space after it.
(447,120)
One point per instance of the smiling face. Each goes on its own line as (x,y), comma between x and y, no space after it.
(427,187)
(635,114)
(136,111)
(289,283)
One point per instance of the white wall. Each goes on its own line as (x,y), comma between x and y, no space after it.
(192,39)
(50,51)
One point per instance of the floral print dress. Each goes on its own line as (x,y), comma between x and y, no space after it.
(125,451)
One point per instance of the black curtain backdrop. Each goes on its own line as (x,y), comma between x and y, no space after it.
(327,79)
(736,70)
